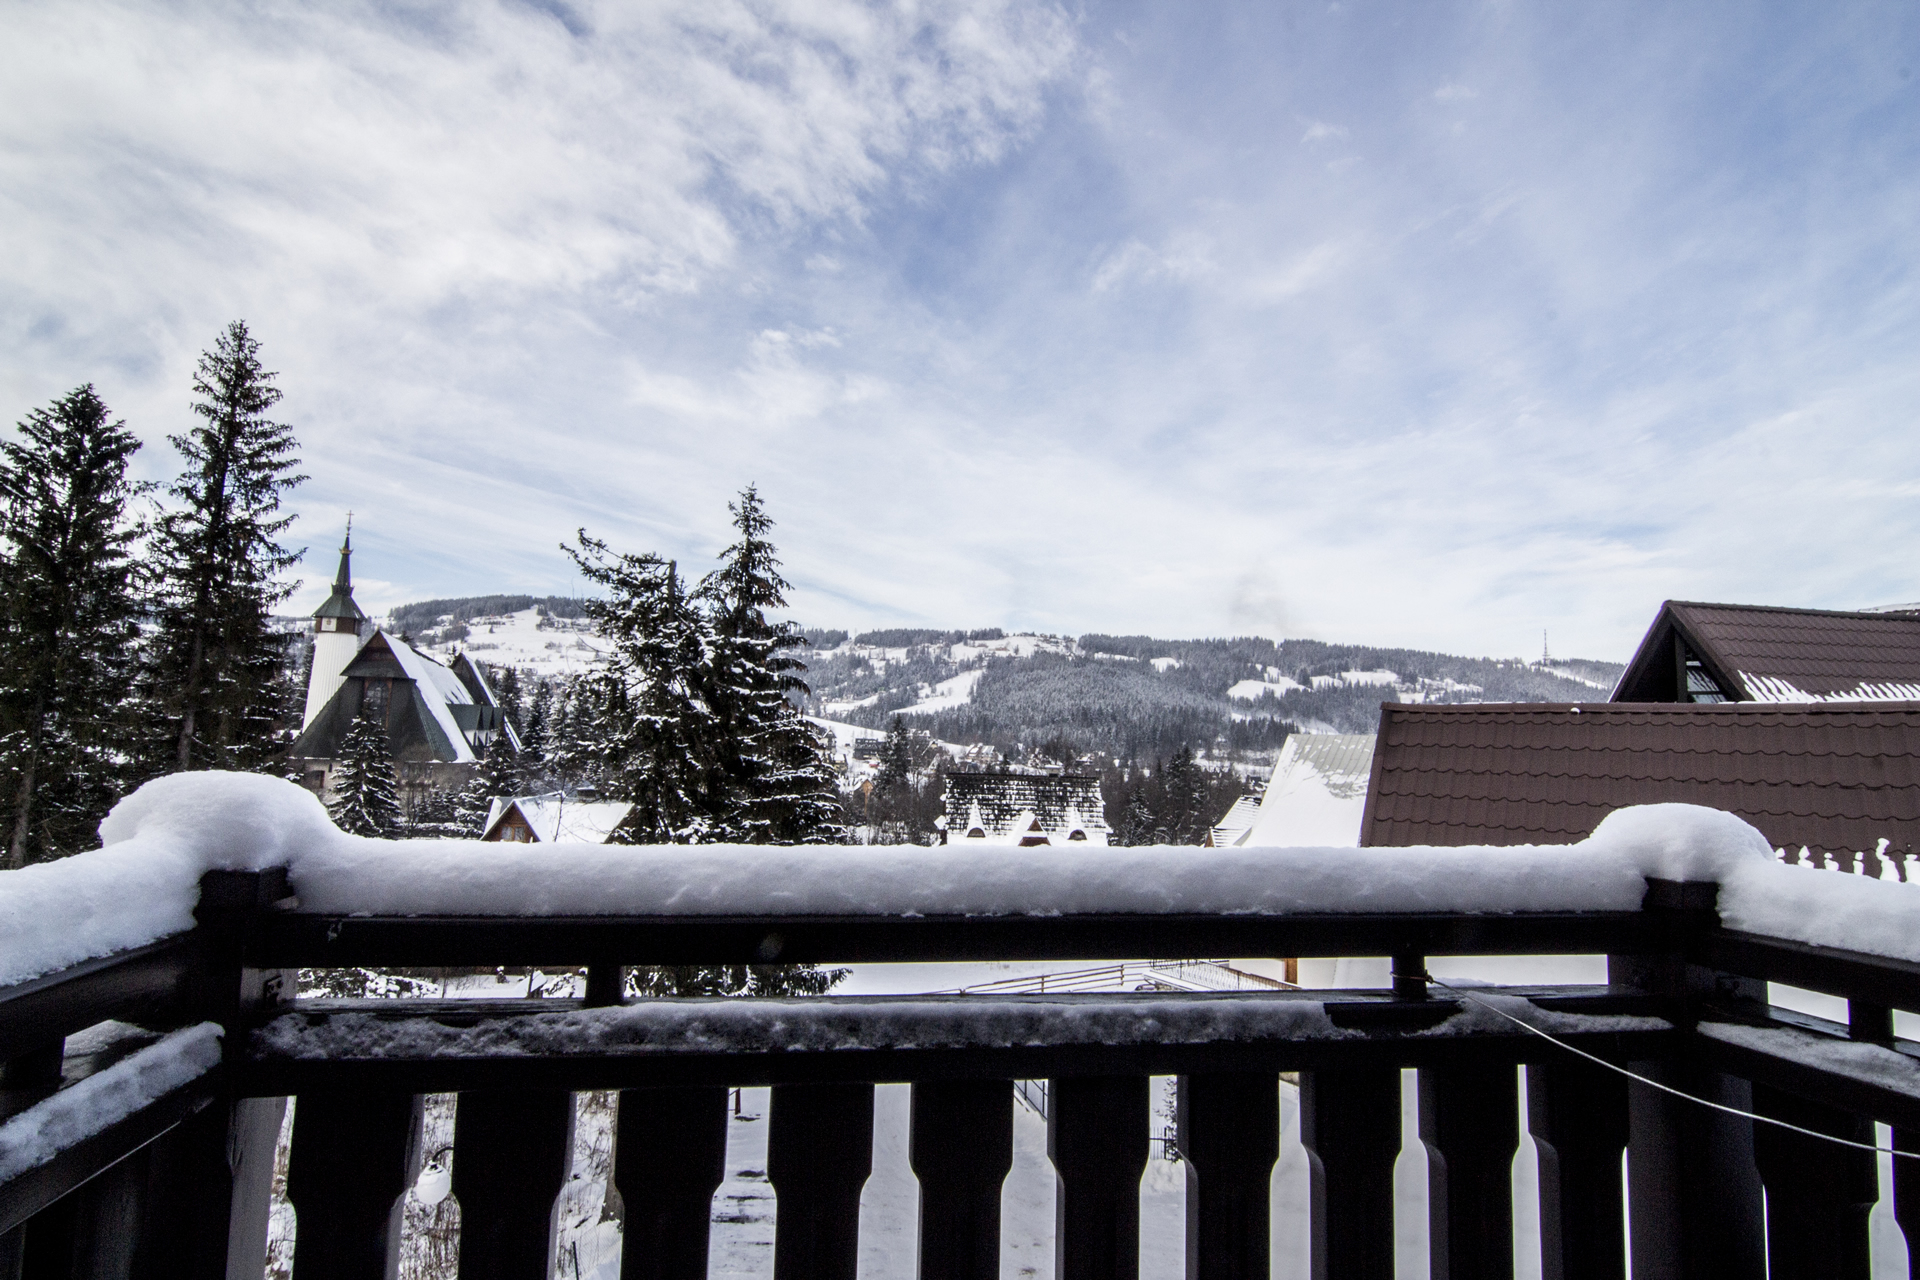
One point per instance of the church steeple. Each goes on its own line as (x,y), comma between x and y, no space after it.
(339,612)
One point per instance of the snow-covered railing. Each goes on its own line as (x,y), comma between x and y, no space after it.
(210,888)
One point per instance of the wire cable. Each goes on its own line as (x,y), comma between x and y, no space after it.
(1667,1088)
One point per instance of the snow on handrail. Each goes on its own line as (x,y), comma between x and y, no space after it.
(143,884)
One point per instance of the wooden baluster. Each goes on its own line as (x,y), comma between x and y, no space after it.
(961,1148)
(1577,1113)
(1469,1117)
(819,1153)
(670,1156)
(511,1151)
(1229,1127)
(354,1156)
(1098,1142)
(1906,1195)
(1694,1194)
(1350,1125)
(1818,1194)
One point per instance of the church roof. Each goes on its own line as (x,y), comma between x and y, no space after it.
(340,604)
(436,710)
(1317,794)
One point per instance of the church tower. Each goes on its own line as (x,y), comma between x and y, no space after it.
(336,635)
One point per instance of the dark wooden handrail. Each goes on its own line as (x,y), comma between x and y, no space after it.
(196,1153)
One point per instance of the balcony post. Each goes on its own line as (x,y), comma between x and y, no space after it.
(1229,1126)
(1470,1116)
(511,1152)
(670,1156)
(1097,1140)
(961,1148)
(1818,1193)
(1350,1126)
(354,1156)
(1577,1114)
(819,1154)
(208,1182)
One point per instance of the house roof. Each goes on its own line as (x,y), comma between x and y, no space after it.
(997,802)
(1317,792)
(557,819)
(1236,822)
(1756,653)
(1832,777)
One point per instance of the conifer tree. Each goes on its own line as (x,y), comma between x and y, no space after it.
(434,817)
(213,660)
(366,795)
(659,739)
(68,624)
(495,778)
(783,788)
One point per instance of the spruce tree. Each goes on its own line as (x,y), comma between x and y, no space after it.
(782,784)
(655,734)
(213,660)
(496,777)
(366,795)
(69,613)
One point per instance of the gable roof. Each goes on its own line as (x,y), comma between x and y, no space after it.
(556,819)
(1006,805)
(1317,794)
(434,712)
(1831,777)
(1757,653)
(1235,823)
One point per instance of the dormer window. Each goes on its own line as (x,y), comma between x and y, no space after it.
(1076,834)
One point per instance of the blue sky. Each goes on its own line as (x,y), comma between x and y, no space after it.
(1423,324)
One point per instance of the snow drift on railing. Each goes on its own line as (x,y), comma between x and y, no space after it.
(56,1123)
(142,885)
(669,1027)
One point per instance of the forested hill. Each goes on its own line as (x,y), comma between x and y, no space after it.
(1135,697)
(1138,697)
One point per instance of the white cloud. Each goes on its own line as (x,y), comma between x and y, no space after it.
(1321,131)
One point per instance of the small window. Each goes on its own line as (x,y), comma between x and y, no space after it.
(1076,835)
(976,833)
(316,779)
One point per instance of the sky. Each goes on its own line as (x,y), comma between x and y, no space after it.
(1438,325)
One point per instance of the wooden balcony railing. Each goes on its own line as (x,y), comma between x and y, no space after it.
(161,1165)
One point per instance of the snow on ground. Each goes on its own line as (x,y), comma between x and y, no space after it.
(1164,665)
(956,691)
(563,646)
(1251,690)
(841,708)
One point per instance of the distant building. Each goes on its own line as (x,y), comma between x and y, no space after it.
(440,717)
(1317,795)
(555,819)
(1024,809)
(1235,824)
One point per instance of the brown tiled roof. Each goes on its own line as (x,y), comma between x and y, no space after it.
(1757,653)
(1833,777)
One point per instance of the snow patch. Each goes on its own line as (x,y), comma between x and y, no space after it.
(55,1124)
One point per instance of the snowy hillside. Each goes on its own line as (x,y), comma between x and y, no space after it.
(1131,697)
(530,639)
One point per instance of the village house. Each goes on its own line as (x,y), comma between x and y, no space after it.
(1024,809)
(555,818)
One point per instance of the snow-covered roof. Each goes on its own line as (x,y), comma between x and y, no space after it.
(1318,793)
(556,819)
(1237,822)
(1017,808)
(441,688)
